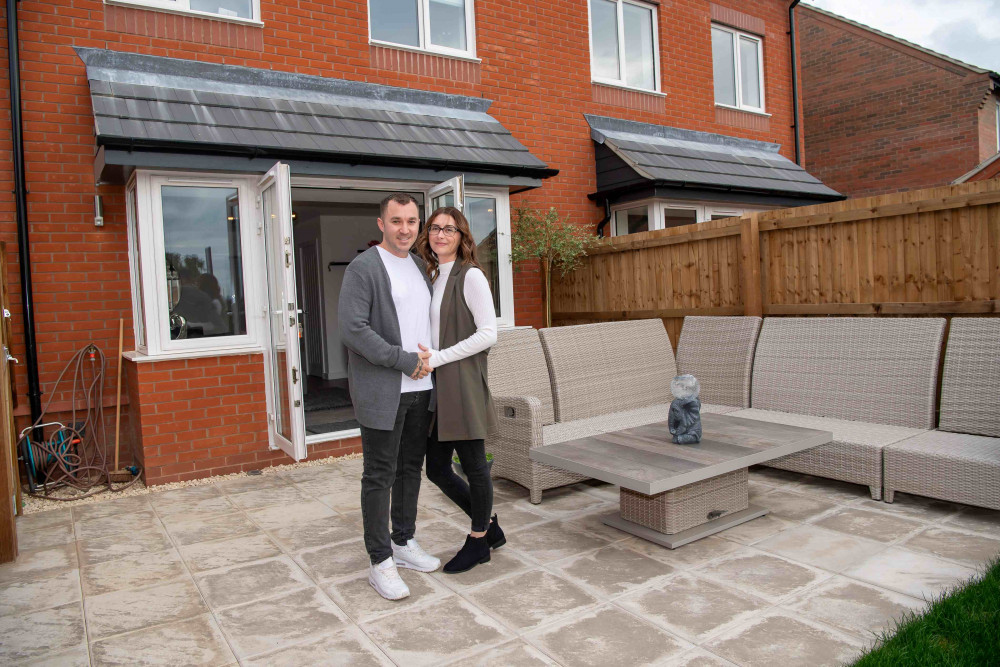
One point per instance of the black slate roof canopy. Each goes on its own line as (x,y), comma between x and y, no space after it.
(632,155)
(150,102)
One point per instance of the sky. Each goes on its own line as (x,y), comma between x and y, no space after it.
(968,30)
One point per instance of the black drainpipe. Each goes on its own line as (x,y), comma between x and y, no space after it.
(795,81)
(607,218)
(21,202)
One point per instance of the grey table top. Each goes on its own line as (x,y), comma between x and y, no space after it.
(644,459)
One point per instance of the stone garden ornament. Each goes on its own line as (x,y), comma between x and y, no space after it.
(684,419)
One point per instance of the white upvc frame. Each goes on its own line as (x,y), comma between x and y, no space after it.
(152,259)
(736,35)
(504,266)
(621,81)
(424,33)
(998,126)
(704,210)
(184,7)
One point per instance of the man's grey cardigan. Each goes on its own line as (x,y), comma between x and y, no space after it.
(369,327)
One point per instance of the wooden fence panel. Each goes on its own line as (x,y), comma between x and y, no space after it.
(927,252)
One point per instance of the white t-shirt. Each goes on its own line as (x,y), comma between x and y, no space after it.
(413,304)
(479,299)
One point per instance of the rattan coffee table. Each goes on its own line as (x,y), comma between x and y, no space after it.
(676,494)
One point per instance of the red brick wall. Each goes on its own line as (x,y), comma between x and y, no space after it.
(534,66)
(988,127)
(883,117)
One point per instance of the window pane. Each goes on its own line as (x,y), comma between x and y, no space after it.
(482,214)
(448,23)
(675,217)
(234,8)
(749,72)
(639,69)
(394,21)
(604,40)
(724,67)
(201,237)
(137,288)
(632,221)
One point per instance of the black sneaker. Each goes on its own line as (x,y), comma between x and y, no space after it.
(494,535)
(475,551)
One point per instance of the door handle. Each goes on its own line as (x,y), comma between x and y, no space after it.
(295,375)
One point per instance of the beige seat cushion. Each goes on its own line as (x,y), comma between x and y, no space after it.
(979,449)
(850,432)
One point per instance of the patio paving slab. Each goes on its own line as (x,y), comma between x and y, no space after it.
(268,497)
(915,507)
(693,554)
(613,570)
(57,517)
(693,608)
(45,536)
(697,657)
(757,529)
(511,654)
(35,634)
(232,487)
(777,637)
(123,611)
(819,547)
(117,523)
(195,641)
(136,571)
(19,596)
(335,562)
(853,607)
(41,563)
(74,657)
(348,647)
(552,541)
(224,553)
(795,506)
(442,631)
(917,575)
(276,622)
(318,533)
(357,597)
(192,530)
(117,506)
(607,636)
(531,599)
(967,548)
(195,507)
(563,501)
(120,545)
(976,519)
(243,583)
(764,575)
(880,526)
(503,562)
(294,513)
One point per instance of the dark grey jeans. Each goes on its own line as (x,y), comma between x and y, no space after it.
(390,482)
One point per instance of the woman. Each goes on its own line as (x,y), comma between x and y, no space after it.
(464,327)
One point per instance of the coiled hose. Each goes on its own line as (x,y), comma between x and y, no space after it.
(76,455)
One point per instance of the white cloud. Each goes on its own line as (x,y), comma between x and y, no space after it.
(964,29)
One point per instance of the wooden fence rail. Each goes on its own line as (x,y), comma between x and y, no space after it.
(926,252)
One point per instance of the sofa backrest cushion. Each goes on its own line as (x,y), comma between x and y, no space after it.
(599,369)
(719,352)
(516,367)
(873,369)
(970,383)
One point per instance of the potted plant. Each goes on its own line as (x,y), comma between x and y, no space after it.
(554,242)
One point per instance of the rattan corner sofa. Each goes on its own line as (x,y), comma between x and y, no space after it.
(569,382)
(960,461)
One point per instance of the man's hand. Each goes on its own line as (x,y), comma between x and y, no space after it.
(423,366)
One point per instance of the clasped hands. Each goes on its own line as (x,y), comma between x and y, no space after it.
(423,365)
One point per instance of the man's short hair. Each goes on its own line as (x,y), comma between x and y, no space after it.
(400,198)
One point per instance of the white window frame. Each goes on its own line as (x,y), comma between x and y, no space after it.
(704,210)
(736,35)
(424,32)
(505,269)
(184,7)
(152,259)
(621,81)
(998,126)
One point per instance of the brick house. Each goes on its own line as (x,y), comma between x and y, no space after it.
(238,149)
(883,115)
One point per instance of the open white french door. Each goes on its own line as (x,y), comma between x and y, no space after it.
(448,193)
(286,427)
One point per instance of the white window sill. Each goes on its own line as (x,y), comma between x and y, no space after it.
(155,7)
(429,52)
(622,86)
(140,357)
(755,112)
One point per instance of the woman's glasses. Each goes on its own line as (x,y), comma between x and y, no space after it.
(448,231)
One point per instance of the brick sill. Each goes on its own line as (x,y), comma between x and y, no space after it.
(426,52)
(739,110)
(630,89)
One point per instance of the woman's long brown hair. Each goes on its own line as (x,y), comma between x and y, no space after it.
(466,248)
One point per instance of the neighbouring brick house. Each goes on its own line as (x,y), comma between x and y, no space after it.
(239,149)
(884,115)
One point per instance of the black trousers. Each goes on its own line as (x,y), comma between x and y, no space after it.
(390,482)
(476,497)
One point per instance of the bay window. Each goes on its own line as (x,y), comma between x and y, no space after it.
(624,49)
(738,69)
(653,214)
(441,26)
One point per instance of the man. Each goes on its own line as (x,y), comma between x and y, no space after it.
(384,314)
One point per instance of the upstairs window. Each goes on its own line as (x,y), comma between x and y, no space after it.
(441,26)
(623,46)
(738,63)
(241,11)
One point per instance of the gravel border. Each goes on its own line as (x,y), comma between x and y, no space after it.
(33,505)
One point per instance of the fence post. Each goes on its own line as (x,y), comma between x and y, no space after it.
(753,302)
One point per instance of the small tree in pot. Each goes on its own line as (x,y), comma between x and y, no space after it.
(555,242)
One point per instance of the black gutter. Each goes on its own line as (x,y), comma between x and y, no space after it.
(795,82)
(21,209)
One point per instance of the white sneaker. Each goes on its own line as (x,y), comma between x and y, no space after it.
(385,579)
(413,557)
